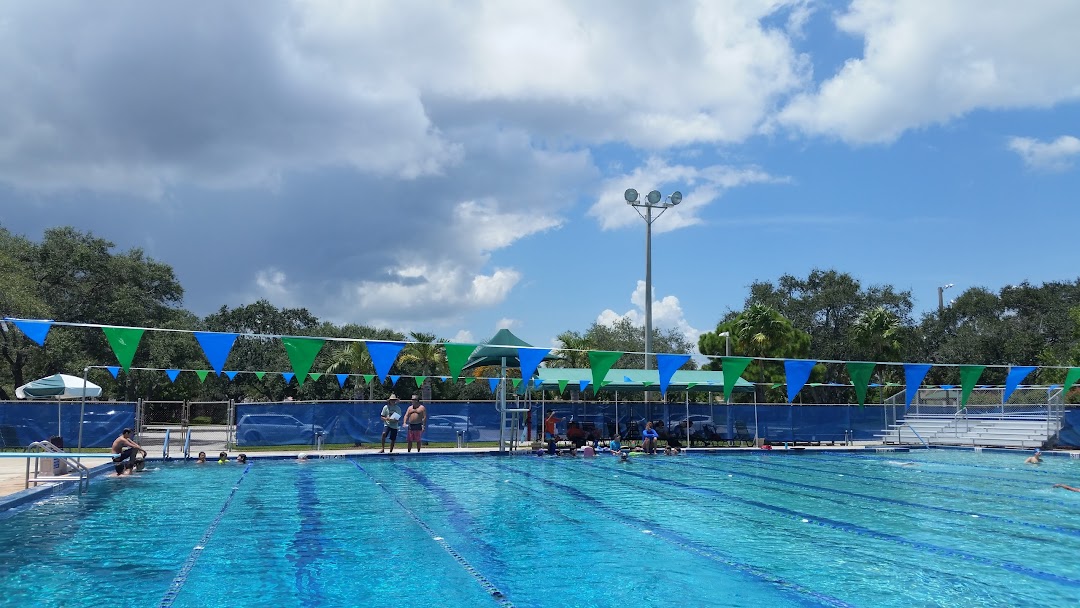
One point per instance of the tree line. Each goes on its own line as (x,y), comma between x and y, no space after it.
(74,276)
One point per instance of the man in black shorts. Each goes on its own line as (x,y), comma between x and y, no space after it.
(391,417)
(124,449)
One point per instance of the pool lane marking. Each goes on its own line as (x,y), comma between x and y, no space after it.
(637,523)
(193,557)
(942,488)
(863,531)
(495,593)
(1025,473)
(308,540)
(460,518)
(895,501)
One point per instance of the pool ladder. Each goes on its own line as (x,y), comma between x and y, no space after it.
(38,476)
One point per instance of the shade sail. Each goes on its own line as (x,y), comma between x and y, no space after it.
(57,386)
(642,379)
(503,345)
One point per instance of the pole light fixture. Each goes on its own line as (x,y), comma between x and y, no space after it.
(653,200)
(941,297)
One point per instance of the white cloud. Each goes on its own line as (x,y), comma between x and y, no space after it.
(667,313)
(700,186)
(926,63)
(507,323)
(463,336)
(1054,155)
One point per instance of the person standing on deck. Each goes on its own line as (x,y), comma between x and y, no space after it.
(416,418)
(391,417)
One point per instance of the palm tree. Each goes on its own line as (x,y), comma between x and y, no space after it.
(424,357)
(759,330)
(353,358)
(877,334)
(574,351)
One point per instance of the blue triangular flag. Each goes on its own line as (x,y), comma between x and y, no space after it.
(383,355)
(341,379)
(288,376)
(394,379)
(113,369)
(913,377)
(231,375)
(627,379)
(666,365)
(35,330)
(172,374)
(537,382)
(1016,375)
(529,359)
(948,387)
(797,372)
(493,383)
(216,346)
(583,384)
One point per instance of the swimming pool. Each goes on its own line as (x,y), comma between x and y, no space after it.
(937,527)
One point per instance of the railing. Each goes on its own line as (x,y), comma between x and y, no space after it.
(61,462)
(916,433)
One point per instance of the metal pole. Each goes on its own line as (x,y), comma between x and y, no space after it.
(648,288)
(687,417)
(940,300)
(82,410)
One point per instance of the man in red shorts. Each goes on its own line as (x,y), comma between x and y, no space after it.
(415,417)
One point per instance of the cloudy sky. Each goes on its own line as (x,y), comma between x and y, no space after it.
(457,167)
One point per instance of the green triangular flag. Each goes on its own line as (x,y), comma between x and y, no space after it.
(647,383)
(562,385)
(969,375)
(601,361)
(419,380)
(1070,379)
(860,372)
(690,385)
(201,373)
(124,341)
(302,353)
(260,375)
(457,355)
(733,368)
(515,382)
(368,378)
(469,380)
(315,376)
(776,385)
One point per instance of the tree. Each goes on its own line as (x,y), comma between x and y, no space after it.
(423,357)
(574,351)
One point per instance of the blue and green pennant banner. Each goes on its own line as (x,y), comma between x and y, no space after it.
(35,330)
(315,375)
(1013,380)
(368,378)
(302,353)
(601,361)
(260,375)
(493,383)
(201,373)
(124,342)
(172,374)
(457,355)
(216,346)
(583,384)
(288,376)
(113,369)
(797,372)
(383,355)
(1070,379)
(394,379)
(562,386)
(860,372)
(230,375)
(530,358)
(969,377)
(914,373)
(419,380)
(516,382)
(733,368)
(666,366)
(341,378)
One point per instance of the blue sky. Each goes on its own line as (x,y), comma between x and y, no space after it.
(460,168)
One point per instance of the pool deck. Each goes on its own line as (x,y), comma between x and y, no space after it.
(13,468)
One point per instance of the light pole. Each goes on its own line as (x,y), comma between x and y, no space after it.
(653,200)
(941,297)
(727,342)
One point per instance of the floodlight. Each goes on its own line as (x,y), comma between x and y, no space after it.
(654,197)
(676,197)
(630,195)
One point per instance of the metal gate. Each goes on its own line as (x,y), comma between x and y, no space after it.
(184,427)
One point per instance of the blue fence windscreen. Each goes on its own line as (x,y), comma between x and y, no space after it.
(22,423)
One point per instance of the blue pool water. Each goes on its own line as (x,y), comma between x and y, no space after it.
(925,528)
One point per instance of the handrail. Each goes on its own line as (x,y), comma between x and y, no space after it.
(48,450)
(165,446)
(187,444)
(912,429)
